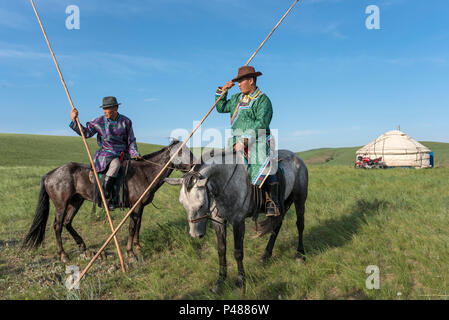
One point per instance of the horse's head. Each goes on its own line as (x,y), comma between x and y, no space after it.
(196,199)
(184,160)
(202,186)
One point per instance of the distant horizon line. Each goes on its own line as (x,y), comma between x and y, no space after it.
(313,149)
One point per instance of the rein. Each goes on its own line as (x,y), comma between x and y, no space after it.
(207,215)
(160,165)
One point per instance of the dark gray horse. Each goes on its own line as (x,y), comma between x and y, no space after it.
(69,185)
(223,193)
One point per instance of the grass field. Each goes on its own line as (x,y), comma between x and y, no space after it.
(393,219)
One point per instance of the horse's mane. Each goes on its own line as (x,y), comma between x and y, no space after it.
(196,171)
(154,154)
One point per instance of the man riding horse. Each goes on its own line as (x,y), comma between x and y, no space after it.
(251,114)
(115,137)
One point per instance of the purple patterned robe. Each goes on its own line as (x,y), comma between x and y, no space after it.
(113,137)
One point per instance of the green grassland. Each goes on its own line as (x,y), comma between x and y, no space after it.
(394,219)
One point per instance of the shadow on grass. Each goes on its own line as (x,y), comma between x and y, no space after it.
(336,232)
(339,231)
(168,235)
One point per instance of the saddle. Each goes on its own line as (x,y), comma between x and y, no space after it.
(120,197)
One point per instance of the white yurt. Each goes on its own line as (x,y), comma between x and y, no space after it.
(397,150)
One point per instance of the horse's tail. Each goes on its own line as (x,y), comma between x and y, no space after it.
(37,231)
(268,225)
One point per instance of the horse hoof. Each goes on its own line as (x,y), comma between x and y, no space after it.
(216,288)
(86,255)
(265,258)
(300,258)
(64,258)
(240,281)
(138,249)
(131,257)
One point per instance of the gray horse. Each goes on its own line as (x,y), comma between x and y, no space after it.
(224,194)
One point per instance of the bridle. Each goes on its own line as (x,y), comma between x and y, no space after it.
(208,214)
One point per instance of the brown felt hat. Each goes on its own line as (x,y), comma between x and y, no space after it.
(246,72)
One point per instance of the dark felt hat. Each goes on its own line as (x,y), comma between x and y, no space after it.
(246,72)
(109,102)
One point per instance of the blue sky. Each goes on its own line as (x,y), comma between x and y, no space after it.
(332,82)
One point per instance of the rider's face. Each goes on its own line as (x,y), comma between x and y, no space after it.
(247,85)
(111,112)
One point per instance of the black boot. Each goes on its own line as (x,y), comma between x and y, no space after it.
(107,189)
(272,204)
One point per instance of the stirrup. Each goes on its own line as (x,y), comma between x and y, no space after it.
(111,206)
(271,208)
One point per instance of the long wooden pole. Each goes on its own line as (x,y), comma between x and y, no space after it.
(269,35)
(167,164)
(84,138)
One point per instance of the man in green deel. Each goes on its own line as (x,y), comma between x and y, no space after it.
(251,113)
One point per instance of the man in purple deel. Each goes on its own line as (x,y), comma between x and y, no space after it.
(115,137)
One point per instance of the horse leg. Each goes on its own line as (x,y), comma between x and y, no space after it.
(72,209)
(136,241)
(269,248)
(132,231)
(57,226)
(300,209)
(270,245)
(239,233)
(220,231)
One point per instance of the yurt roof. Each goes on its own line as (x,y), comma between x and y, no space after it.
(394,142)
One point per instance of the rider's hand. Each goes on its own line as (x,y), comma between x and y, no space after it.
(139,157)
(74,114)
(239,146)
(227,86)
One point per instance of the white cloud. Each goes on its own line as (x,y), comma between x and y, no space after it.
(22,54)
(117,63)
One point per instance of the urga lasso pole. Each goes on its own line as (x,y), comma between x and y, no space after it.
(171,159)
(84,138)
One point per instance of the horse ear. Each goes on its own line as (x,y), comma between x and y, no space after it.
(174,181)
(202,182)
(173,141)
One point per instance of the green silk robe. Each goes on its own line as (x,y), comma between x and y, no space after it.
(250,118)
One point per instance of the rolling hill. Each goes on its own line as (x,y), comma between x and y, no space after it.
(41,150)
(26,149)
